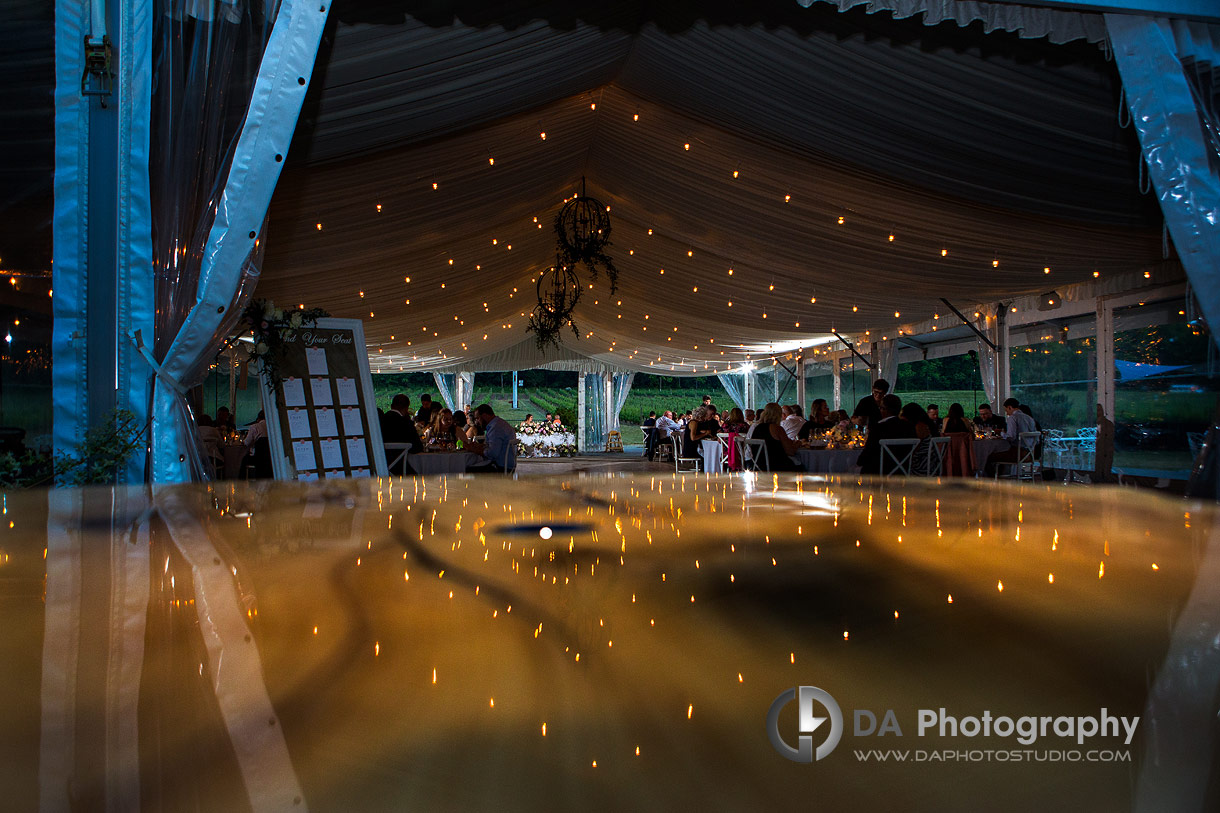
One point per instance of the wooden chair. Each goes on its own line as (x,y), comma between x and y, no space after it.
(614,441)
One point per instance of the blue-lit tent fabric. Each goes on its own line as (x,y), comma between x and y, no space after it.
(1134,370)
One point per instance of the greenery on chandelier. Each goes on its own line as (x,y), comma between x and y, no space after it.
(272,328)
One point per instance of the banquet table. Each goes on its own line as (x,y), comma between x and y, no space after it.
(829,461)
(983,448)
(234,455)
(713,456)
(442,462)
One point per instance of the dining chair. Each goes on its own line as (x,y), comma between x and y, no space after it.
(753,454)
(896,456)
(723,437)
(938,453)
(679,460)
(1028,465)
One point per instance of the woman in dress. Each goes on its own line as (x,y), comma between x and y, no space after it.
(736,422)
(780,448)
(956,420)
(699,428)
(442,432)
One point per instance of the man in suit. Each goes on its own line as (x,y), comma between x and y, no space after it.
(397,427)
(890,426)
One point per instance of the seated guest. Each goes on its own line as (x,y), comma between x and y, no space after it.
(666,426)
(988,419)
(1026,409)
(925,427)
(793,422)
(956,420)
(649,425)
(547,419)
(934,415)
(257,430)
(464,430)
(224,420)
(751,418)
(397,427)
(1016,423)
(781,449)
(209,441)
(700,428)
(426,408)
(442,431)
(499,449)
(557,423)
(819,419)
(889,426)
(529,420)
(736,421)
(868,410)
(707,400)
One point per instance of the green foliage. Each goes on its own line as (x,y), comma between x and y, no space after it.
(96,460)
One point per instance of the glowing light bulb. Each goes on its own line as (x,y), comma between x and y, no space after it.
(840,220)
(686,146)
(543,135)
(1046,269)
(944,252)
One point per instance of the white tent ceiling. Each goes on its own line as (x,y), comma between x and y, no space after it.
(984,147)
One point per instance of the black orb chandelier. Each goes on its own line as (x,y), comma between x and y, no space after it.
(582,232)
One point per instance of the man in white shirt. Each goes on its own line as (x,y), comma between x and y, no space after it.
(793,422)
(1016,422)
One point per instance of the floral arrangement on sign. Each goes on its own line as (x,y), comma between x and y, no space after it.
(272,328)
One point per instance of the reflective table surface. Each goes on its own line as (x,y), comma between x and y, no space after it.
(608,643)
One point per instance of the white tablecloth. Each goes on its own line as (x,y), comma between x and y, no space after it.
(442,462)
(984,448)
(830,461)
(712,463)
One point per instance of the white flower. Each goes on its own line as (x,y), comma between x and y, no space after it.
(268,310)
(260,349)
(295,320)
(279,314)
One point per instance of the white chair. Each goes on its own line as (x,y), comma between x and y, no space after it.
(724,450)
(896,454)
(679,460)
(933,464)
(752,454)
(1028,465)
(1089,433)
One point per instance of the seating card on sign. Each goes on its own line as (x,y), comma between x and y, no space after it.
(320,388)
(298,423)
(307,476)
(347,391)
(358,473)
(302,455)
(327,428)
(294,392)
(336,475)
(353,423)
(316,359)
(332,454)
(357,455)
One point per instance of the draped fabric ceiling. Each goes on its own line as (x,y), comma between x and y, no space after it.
(728,140)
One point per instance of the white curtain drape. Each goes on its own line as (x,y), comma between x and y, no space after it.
(622,388)
(887,362)
(445,383)
(1169,73)
(735,385)
(463,390)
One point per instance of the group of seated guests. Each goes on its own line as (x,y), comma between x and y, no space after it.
(553,423)
(437,425)
(881,414)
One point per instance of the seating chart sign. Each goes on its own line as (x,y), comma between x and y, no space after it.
(325,422)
